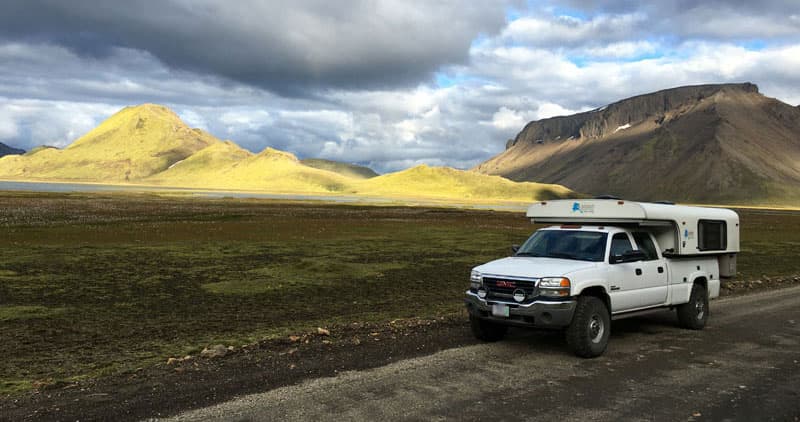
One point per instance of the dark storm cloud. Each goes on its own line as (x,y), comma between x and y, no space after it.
(284,46)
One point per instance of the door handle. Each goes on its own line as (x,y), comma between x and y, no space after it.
(638,271)
(660,270)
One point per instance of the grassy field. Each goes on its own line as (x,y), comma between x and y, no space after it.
(101,284)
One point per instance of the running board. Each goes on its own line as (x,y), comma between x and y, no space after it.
(640,313)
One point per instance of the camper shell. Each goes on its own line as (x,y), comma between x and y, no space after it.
(681,231)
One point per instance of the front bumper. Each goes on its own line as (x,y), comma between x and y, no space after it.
(541,313)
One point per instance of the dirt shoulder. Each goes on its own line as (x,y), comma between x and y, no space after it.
(168,389)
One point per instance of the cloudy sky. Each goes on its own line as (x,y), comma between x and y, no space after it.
(389,84)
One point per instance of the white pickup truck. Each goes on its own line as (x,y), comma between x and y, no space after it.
(605,259)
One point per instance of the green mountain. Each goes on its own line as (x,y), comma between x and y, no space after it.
(150,145)
(132,144)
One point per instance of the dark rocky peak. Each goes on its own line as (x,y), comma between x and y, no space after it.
(622,114)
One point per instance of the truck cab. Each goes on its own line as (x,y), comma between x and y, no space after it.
(609,262)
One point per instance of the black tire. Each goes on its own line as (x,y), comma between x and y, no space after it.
(487,330)
(694,314)
(587,335)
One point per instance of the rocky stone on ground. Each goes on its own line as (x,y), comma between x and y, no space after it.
(215,351)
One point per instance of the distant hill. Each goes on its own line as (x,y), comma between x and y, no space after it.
(350,170)
(39,148)
(132,144)
(227,166)
(449,183)
(150,145)
(708,143)
(7,150)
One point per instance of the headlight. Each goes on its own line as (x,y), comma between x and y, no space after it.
(554,287)
(475,280)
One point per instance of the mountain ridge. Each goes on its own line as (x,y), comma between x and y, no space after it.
(723,143)
(600,121)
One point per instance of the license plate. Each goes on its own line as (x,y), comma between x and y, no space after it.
(500,310)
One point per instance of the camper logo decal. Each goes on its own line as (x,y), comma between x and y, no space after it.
(582,208)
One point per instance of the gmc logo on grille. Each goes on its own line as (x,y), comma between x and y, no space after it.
(503,283)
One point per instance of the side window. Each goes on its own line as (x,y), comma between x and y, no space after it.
(711,235)
(646,245)
(620,244)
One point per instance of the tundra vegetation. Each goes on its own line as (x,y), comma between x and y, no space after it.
(96,284)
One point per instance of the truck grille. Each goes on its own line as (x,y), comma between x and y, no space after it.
(503,288)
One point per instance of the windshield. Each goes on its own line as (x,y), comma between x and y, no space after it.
(565,244)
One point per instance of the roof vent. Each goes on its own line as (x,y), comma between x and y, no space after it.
(607,197)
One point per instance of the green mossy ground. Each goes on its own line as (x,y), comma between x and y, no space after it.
(100,284)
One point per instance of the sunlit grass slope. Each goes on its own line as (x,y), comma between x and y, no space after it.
(226,166)
(449,183)
(132,144)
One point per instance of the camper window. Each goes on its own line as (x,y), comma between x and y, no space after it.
(711,235)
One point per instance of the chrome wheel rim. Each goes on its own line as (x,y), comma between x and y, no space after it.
(596,328)
(700,309)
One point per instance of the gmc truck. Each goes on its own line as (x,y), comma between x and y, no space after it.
(605,259)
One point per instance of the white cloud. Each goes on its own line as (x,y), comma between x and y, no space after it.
(8,127)
(55,123)
(547,110)
(241,120)
(411,130)
(622,50)
(506,118)
(195,120)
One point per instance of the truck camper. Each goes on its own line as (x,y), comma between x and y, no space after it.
(604,259)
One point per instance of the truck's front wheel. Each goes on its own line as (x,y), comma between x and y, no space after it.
(588,333)
(487,330)
(694,314)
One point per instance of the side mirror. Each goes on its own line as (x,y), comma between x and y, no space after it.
(628,256)
(514,248)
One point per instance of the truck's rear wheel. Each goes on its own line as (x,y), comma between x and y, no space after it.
(694,314)
(487,330)
(588,333)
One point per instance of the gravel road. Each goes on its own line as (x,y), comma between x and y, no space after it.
(744,366)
